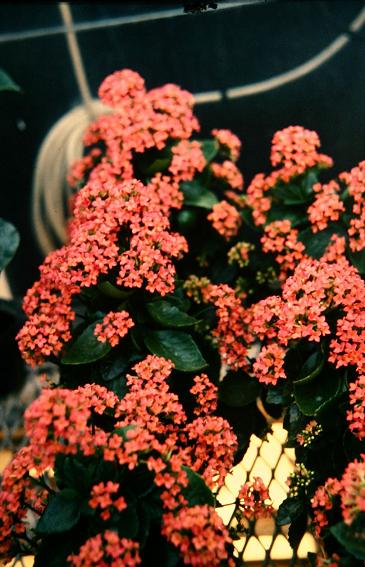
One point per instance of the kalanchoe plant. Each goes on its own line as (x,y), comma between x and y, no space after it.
(170,270)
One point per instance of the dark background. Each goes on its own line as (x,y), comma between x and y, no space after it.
(214,50)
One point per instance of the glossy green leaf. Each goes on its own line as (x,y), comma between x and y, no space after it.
(9,242)
(352,540)
(238,389)
(316,244)
(86,348)
(291,194)
(281,212)
(7,83)
(197,492)
(176,346)
(160,164)
(169,315)
(210,149)
(196,195)
(312,396)
(61,514)
(111,290)
(289,510)
(358,260)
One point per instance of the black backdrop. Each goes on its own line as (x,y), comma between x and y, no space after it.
(215,50)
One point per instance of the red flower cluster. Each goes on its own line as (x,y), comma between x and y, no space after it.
(356,416)
(229,141)
(255,501)
(353,490)
(200,535)
(187,159)
(113,327)
(151,429)
(229,172)
(324,499)
(355,181)
(103,212)
(225,219)
(107,550)
(231,332)
(206,395)
(280,238)
(295,148)
(326,206)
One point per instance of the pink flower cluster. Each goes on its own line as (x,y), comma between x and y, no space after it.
(355,181)
(103,213)
(348,493)
(156,434)
(255,501)
(281,239)
(326,206)
(229,141)
(356,415)
(107,550)
(113,327)
(225,219)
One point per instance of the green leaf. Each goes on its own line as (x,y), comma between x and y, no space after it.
(316,244)
(311,368)
(160,164)
(86,348)
(111,290)
(210,149)
(128,522)
(289,511)
(176,346)
(61,514)
(297,530)
(313,395)
(238,389)
(169,315)
(358,260)
(294,421)
(9,242)
(281,212)
(291,194)
(7,83)
(196,195)
(197,492)
(352,540)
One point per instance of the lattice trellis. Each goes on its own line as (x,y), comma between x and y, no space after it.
(269,459)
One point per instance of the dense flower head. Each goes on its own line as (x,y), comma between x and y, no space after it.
(199,534)
(355,181)
(211,445)
(113,327)
(269,365)
(311,431)
(228,140)
(256,199)
(281,239)
(296,149)
(107,550)
(188,158)
(103,213)
(356,415)
(335,250)
(326,206)
(255,501)
(229,172)
(231,332)
(206,395)
(324,500)
(353,490)
(225,219)
(103,497)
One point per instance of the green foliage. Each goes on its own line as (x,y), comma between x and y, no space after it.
(177,346)
(169,315)
(86,347)
(7,83)
(61,514)
(9,242)
(197,492)
(196,195)
(351,537)
(238,389)
(289,511)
